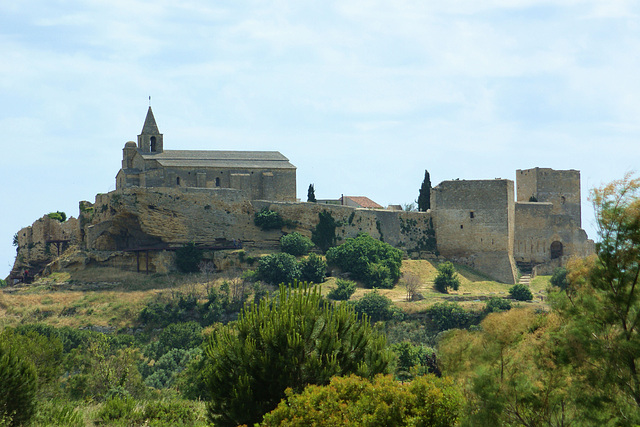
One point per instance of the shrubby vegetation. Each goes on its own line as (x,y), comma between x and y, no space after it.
(376,307)
(188,258)
(520,292)
(449,315)
(268,220)
(279,268)
(289,342)
(446,278)
(295,244)
(18,380)
(353,401)
(313,269)
(375,263)
(559,278)
(496,304)
(58,216)
(343,291)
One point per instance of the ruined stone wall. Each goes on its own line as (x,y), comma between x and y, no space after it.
(474,223)
(35,249)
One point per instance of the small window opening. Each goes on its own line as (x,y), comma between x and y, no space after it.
(461,226)
(153,143)
(217,182)
(563,200)
(177,180)
(471,215)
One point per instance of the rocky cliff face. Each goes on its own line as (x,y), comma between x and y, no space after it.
(137,228)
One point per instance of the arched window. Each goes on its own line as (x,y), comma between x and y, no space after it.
(153,143)
(217,182)
(556,250)
(177,180)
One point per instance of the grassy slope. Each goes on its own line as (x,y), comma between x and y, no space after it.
(112,298)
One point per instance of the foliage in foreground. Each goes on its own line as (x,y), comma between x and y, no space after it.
(382,401)
(288,342)
(375,263)
(18,386)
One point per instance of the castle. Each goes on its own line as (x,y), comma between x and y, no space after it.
(166,198)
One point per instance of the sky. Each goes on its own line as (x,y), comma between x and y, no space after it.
(361,96)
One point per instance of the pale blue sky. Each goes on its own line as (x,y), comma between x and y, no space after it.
(362,96)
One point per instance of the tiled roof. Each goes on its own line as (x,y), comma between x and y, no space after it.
(221,159)
(364,202)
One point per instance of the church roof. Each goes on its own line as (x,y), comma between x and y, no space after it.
(221,159)
(150,127)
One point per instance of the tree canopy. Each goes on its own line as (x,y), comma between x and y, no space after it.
(424,197)
(287,342)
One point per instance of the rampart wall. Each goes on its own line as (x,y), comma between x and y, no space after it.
(474,222)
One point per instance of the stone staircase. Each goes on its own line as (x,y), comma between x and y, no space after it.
(525,279)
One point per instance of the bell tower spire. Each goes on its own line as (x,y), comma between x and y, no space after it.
(150,139)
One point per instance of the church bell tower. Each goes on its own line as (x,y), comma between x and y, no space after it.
(150,139)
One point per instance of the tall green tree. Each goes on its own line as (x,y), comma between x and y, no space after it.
(288,342)
(311,194)
(424,197)
(602,303)
(18,387)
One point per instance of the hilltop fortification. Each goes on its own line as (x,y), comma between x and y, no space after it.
(165,199)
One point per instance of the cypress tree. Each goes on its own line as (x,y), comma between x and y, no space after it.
(424,198)
(311,194)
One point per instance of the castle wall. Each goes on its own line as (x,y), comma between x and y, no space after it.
(474,223)
(537,228)
(561,188)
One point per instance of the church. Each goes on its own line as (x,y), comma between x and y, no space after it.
(260,175)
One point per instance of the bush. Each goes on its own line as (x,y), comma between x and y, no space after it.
(375,263)
(268,220)
(496,304)
(288,342)
(279,268)
(169,412)
(377,307)
(324,235)
(58,413)
(449,315)
(521,292)
(18,387)
(446,278)
(414,360)
(182,336)
(295,244)
(188,258)
(353,402)
(117,408)
(559,278)
(58,216)
(313,269)
(343,292)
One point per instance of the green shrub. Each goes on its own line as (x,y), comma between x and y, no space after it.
(58,413)
(449,315)
(559,278)
(520,292)
(496,304)
(353,402)
(313,269)
(169,412)
(446,278)
(188,258)
(18,387)
(324,235)
(343,292)
(375,263)
(377,307)
(291,341)
(3,283)
(268,220)
(278,268)
(295,244)
(414,360)
(58,216)
(117,408)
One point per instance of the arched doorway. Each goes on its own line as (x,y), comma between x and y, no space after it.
(556,250)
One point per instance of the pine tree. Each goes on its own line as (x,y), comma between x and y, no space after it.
(424,198)
(311,194)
